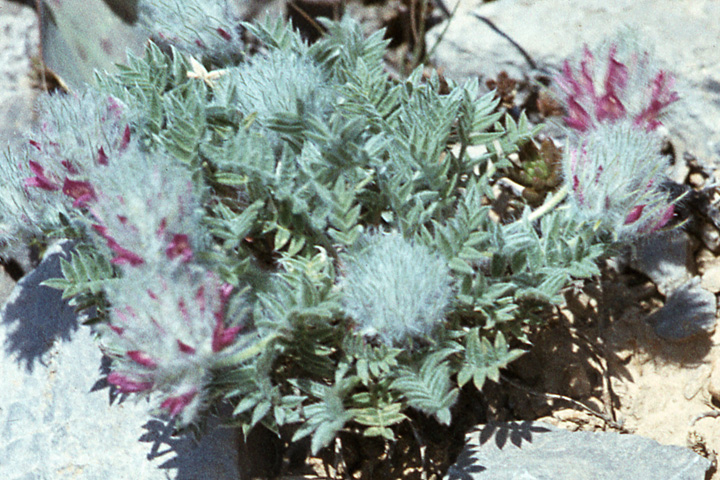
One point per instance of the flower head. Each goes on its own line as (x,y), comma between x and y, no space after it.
(166,340)
(615,176)
(395,288)
(617,81)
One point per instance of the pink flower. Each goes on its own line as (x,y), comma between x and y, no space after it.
(141,358)
(223,337)
(82,192)
(637,211)
(223,33)
(102,158)
(114,107)
(125,141)
(661,97)
(577,117)
(116,329)
(185,348)
(180,247)
(126,385)
(225,291)
(634,214)
(175,405)
(588,101)
(39,180)
(124,256)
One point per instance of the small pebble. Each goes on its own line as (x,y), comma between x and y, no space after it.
(713,385)
(697,180)
(711,278)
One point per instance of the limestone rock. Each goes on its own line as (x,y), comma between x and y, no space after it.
(539,451)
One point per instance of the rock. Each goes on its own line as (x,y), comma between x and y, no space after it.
(18,43)
(58,417)
(713,385)
(666,258)
(710,237)
(551,30)
(696,180)
(539,451)
(690,310)
(711,278)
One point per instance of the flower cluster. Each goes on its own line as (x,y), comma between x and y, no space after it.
(615,178)
(395,289)
(269,85)
(166,334)
(615,101)
(618,82)
(76,134)
(167,327)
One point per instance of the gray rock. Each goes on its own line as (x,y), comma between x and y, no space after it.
(666,258)
(684,36)
(18,43)
(688,311)
(538,451)
(60,420)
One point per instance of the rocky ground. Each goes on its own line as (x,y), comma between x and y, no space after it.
(611,361)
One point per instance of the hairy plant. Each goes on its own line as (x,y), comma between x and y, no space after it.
(616,177)
(206,29)
(615,100)
(229,226)
(395,289)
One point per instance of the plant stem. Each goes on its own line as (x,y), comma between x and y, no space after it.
(558,197)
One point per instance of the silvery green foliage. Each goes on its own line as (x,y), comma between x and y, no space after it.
(263,176)
(205,29)
(396,289)
(616,176)
(23,212)
(281,82)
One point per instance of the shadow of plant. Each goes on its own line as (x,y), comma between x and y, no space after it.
(212,456)
(36,316)
(516,432)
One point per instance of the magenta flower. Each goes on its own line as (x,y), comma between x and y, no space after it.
(141,358)
(102,158)
(634,214)
(175,405)
(185,348)
(223,337)
(114,108)
(125,141)
(126,385)
(662,97)
(81,192)
(626,90)
(224,34)
(179,247)
(124,256)
(615,178)
(40,180)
